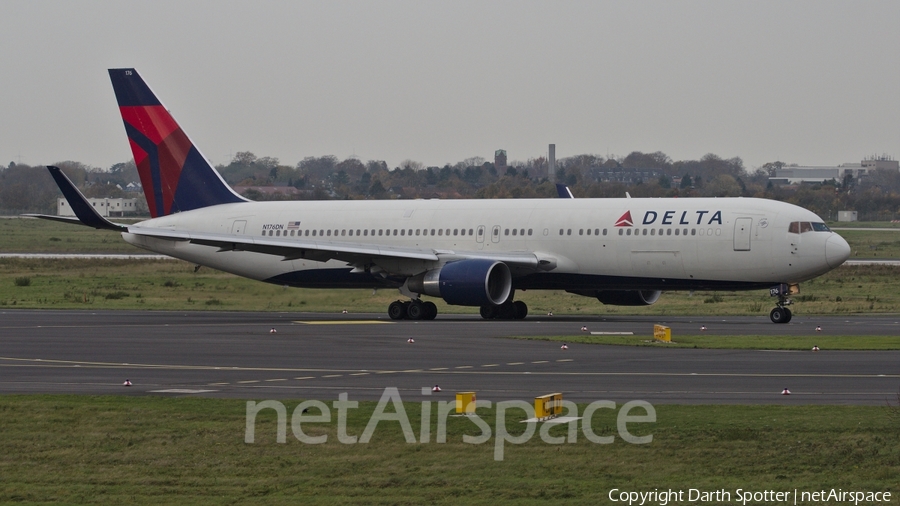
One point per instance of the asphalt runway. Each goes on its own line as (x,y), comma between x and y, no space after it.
(235,355)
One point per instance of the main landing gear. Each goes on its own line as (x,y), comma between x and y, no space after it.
(412,310)
(509,310)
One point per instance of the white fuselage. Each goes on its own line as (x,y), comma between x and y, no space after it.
(686,243)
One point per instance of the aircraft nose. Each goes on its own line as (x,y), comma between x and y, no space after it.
(836,251)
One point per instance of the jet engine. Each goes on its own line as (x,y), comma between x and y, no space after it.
(473,282)
(628,297)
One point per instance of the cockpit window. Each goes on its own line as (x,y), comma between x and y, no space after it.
(800,227)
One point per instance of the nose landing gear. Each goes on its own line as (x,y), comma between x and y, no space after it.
(782,314)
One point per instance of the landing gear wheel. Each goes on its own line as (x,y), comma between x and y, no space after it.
(430,310)
(488,312)
(397,310)
(506,311)
(415,310)
(780,315)
(789,315)
(521,309)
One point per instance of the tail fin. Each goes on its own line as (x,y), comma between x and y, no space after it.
(175,176)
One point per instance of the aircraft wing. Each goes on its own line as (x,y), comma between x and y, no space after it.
(320,251)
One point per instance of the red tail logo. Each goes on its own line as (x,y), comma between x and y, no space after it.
(625,220)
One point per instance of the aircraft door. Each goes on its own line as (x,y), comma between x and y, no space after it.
(742,227)
(495,234)
(238,227)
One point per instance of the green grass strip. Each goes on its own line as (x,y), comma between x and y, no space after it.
(154,450)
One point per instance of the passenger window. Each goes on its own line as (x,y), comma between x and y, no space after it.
(604,231)
(676,231)
(652,231)
(569,231)
(621,231)
(628,232)
(580,231)
(560,231)
(668,231)
(529,231)
(343,232)
(264,232)
(514,231)
(645,232)
(506,232)
(455,231)
(402,232)
(471,232)
(693,231)
(589,231)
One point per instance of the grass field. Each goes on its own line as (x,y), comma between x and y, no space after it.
(173,285)
(151,450)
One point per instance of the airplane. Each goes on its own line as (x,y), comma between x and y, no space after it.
(479,253)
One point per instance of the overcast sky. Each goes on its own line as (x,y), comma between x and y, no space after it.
(814,83)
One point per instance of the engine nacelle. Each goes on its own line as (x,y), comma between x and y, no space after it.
(474,282)
(628,297)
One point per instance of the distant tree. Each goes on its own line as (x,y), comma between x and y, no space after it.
(686,182)
(377,190)
(412,165)
(723,185)
(665,181)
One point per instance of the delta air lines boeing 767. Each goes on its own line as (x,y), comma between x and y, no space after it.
(467,252)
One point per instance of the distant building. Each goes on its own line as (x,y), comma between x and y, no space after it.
(105,207)
(798,174)
(500,161)
(846,215)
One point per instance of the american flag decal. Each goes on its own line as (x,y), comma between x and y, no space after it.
(293,225)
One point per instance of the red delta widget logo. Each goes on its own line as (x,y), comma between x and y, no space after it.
(669,217)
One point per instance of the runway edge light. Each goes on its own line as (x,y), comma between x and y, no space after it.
(662,333)
(465,402)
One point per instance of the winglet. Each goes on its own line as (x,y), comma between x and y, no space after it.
(564,192)
(85,212)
